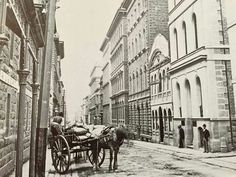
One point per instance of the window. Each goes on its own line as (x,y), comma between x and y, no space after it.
(178,103)
(199,96)
(194,20)
(168,79)
(139,8)
(160,84)
(164,80)
(140,42)
(136,46)
(144,38)
(176,43)
(185,37)
(133,52)
(141,79)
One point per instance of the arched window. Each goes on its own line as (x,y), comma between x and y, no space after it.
(155,79)
(179,100)
(164,80)
(141,79)
(168,79)
(165,120)
(185,37)
(176,43)
(139,9)
(156,120)
(130,51)
(132,20)
(160,84)
(130,84)
(153,120)
(137,81)
(199,96)
(170,119)
(144,38)
(188,99)
(133,51)
(194,20)
(136,46)
(135,14)
(140,42)
(152,85)
(133,83)
(145,77)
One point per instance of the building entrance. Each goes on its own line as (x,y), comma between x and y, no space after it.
(161,125)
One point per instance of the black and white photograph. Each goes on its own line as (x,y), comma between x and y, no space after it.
(117,88)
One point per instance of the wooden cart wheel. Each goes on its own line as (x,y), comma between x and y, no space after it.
(101,156)
(60,153)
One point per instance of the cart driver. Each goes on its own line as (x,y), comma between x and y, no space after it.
(56,127)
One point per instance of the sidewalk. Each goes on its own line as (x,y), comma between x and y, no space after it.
(225,160)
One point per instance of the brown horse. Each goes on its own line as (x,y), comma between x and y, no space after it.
(114,138)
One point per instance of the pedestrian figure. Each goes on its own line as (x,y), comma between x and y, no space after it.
(206,136)
(181,137)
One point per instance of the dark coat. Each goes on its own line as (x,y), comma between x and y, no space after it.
(181,133)
(206,134)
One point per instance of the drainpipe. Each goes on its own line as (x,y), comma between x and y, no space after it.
(23,74)
(35,86)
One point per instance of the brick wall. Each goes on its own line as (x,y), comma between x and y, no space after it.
(157,19)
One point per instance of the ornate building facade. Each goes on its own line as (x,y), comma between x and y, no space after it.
(106,84)
(161,97)
(95,111)
(146,18)
(200,71)
(117,35)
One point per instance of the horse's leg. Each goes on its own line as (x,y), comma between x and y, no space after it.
(111,158)
(115,165)
(95,156)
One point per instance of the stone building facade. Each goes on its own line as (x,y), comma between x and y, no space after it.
(57,85)
(24,32)
(106,84)
(117,35)
(95,96)
(85,110)
(160,87)
(200,71)
(231,29)
(146,18)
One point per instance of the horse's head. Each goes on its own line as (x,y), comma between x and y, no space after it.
(121,133)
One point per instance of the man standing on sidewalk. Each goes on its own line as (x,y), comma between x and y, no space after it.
(206,136)
(181,137)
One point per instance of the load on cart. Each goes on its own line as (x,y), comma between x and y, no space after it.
(78,138)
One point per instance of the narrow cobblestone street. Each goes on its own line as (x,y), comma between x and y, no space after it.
(146,162)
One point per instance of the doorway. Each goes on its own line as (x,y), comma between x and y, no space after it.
(161,125)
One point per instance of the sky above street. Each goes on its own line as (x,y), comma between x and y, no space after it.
(83,25)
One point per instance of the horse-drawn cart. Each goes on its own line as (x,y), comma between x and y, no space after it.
(67,145)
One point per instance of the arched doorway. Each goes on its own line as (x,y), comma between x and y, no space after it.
(161,125)
(139,123)
(170,119)
(199,96)
(189,123)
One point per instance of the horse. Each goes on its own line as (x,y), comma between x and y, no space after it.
(114,138)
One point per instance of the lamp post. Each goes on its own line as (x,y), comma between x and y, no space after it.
(43,109)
